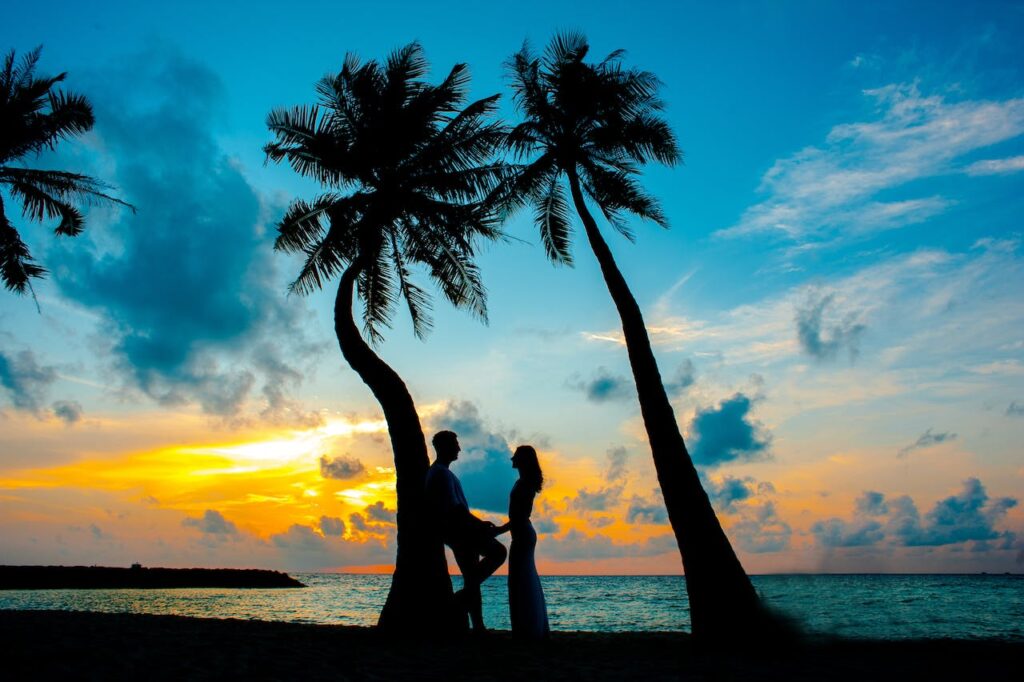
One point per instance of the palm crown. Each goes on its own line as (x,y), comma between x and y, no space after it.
(407,167)
(34,117)
(597,123)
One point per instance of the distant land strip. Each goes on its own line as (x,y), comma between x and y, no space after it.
(138,577)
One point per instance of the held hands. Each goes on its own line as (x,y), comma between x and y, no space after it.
(499,530)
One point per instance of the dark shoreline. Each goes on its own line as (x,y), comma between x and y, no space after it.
(137,577)
(70,644)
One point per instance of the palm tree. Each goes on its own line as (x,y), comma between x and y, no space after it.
(593,126)
(405,165)
(34,117)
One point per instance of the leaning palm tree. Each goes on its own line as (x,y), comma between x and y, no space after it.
(34,117)
(406,165)
(592,126)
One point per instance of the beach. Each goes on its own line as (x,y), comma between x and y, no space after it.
(86,645)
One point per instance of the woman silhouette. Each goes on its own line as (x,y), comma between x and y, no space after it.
(525,596)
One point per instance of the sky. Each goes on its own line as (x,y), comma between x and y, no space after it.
(836,308)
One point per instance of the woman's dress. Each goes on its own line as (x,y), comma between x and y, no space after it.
(525,596)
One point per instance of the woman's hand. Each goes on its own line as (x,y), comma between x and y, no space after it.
(503,528)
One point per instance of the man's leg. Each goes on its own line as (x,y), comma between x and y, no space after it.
(493,556)
(468,561)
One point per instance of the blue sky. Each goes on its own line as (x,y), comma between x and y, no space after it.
(836,301)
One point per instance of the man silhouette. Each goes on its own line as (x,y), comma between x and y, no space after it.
(476,551)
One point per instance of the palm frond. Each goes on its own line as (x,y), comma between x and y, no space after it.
(17,268)
(552,218)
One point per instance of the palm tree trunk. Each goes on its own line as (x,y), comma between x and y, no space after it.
(723,602)
(421,589)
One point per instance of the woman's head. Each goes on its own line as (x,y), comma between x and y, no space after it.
(525,459)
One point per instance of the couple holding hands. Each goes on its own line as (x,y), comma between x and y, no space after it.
(473,541)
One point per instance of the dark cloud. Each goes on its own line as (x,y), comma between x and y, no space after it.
(729,491)
(378,512)
(68,411)
(839,533)
(358,522)
(603,386)
(307,549)
(484,466)
(544,525)
(871,503)
(926,440)
(726,434)
(340,468)
(98,533)
(969,516)
(761,530)
(299,538)
(25,381)
(332,526)
(212,522)
(187,288)
(647,510)
(602,499)
(820,340)
(684,377)
(1015,410)
(617,458)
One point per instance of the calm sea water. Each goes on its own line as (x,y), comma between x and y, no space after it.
(874,606)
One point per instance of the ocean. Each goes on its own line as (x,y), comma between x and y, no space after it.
(861,606)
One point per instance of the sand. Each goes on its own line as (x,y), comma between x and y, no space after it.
(82,645)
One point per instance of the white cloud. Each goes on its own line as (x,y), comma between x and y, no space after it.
(829,189)
(996,166)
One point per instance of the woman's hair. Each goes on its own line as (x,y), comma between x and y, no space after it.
(529,467)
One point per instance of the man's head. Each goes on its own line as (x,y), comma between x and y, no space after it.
(446,444)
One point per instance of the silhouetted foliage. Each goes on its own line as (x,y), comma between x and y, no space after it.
(417,161)
(34,117)
(592,126)
(406,166)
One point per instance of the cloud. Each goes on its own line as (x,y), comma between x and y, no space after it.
(838,533)
(968,516)
(871,503)
(212,522)
(726,434)
(68,411)
(25,381)
(647,509)
(819,342)
(760,530)
(576,545)
(484,467)
(683,378)
(340,468)
(187,289)
(599,500)
(603,386)
(1013,164)
(729,491)
(926,440)
(307,549)
(300,538)
(332,526)
(1015,410)
(378,512)
(836,187)
(617,458)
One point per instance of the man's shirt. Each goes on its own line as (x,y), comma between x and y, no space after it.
(447,500)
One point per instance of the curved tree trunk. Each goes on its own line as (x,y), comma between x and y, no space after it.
(723,602)
(421,589)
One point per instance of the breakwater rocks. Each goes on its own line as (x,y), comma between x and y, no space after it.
(103,577)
